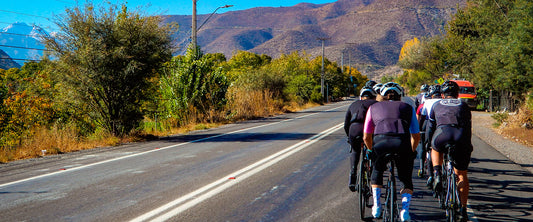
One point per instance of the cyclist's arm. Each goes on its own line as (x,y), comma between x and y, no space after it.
(368,129)
(414,129)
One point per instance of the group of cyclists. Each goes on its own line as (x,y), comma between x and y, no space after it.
(384,124)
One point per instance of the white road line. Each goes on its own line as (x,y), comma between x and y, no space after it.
(150,151)
(185,202)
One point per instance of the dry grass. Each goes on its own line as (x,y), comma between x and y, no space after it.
(518,127)
(242,106)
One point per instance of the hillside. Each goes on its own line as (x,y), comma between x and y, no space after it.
(371,32)
(6,62)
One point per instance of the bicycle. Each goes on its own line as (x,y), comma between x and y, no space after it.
(364,187)
(391,211)
(452,201)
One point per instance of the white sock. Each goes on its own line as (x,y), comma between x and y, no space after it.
(406,201)
(376,192)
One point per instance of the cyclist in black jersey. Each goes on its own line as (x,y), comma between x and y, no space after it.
(453,121)
(353,126)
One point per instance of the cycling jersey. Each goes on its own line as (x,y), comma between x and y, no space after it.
(391,123)
(454,125)
(355,119)
(391,117)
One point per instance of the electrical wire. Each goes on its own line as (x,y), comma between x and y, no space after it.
(20,47)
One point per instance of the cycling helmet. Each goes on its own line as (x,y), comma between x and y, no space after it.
(367,92)
(391,86)
(424,88)
(434,91)
(370,83)
(450,88)
(377,87)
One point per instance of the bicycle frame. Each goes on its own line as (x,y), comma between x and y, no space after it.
(452,202)
(391,210)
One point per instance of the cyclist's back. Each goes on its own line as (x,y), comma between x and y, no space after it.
(453,121)
(353,126)
(389,127)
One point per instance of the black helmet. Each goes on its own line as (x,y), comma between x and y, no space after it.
(370,83)
(450,88)
(377,88)
(434,91)
(424,88)
(367,92)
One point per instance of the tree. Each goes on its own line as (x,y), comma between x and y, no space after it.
(194,86)
(107,56)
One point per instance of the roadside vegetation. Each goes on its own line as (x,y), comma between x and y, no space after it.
(113,79)
(489,43)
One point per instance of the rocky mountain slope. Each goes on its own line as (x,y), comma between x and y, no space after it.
(369,32)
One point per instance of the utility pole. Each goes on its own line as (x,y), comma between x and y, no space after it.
(193,28)
(349,58)
(322,73)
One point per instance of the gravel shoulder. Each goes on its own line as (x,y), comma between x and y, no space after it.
(516,152)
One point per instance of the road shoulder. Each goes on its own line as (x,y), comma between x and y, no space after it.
(516,152)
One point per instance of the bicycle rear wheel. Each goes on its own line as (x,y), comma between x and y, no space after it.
(391,211)
(362,188)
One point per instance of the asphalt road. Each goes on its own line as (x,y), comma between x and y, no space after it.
(292,167)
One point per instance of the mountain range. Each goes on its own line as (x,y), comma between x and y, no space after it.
(367,34)
(20,42)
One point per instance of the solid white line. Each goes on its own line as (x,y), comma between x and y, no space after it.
(150,151)
(224,183)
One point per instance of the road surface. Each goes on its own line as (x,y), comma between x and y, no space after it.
(292,167)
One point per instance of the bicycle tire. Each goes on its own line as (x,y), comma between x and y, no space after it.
(390,211)
(361,188)
(393,206)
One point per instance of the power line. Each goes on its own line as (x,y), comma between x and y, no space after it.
(33,60)
(20,13)
(20,47)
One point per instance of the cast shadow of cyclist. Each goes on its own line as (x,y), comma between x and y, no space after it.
(502,193)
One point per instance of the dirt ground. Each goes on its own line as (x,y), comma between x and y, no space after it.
(512,143)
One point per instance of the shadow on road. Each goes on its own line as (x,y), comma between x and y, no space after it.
(500,191)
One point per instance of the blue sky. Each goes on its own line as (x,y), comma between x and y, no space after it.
(42,11)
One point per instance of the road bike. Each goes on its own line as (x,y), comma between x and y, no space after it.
(391,211)
(364,187)
(452,202)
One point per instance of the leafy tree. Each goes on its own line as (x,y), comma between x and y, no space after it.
(194,87)
(107,56)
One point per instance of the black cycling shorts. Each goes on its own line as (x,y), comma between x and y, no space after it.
(401,144)
(463,146)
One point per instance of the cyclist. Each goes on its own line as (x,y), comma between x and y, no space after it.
(377,88)
(435,93)
(420,97)
(454,124)
(353,126)
(391,127)
(370,84)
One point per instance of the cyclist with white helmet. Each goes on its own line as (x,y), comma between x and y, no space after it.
(391,127)
(353,126)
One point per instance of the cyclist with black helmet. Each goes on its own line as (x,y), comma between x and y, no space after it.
(391,127)
(420,97)
(454,125)
(435,94)
(377,88)
(353,126)
(370,84)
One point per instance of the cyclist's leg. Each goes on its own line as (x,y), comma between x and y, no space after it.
(382,145)
(404,165)
(354,161)
(461,156)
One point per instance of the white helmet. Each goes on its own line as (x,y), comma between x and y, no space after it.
(391,86)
